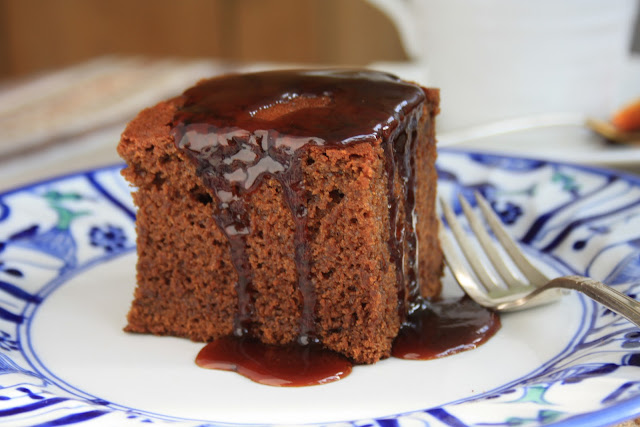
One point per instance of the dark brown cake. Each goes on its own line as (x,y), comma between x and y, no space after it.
(288,205)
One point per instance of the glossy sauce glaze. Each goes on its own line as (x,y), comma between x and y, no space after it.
(292,365)
(239,129)
(444,328)
(433,330)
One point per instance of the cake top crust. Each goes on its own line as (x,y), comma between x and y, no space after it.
(324,107)
(240,129)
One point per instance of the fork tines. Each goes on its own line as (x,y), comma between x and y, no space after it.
(493,254)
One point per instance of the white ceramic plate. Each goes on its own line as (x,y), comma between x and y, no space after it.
(67,273)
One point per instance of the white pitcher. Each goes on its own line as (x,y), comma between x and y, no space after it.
(499,59)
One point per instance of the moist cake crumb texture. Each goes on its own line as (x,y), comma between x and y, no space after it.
(288,206)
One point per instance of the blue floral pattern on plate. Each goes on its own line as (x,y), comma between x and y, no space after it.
(575,219)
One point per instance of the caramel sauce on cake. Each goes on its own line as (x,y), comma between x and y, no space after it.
(243,127)
(291,214)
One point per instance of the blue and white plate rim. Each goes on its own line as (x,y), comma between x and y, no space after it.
(615,413)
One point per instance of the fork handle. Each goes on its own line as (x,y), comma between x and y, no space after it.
(601,293)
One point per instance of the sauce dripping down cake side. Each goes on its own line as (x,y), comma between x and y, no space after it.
(289,206)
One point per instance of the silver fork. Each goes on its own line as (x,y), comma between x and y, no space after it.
(501,287)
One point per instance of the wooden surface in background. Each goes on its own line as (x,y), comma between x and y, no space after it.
(43,34)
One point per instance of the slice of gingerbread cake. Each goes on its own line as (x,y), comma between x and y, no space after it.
(287,206)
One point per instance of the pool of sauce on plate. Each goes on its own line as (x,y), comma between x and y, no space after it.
(444,328)
(433,330)
(292,365)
